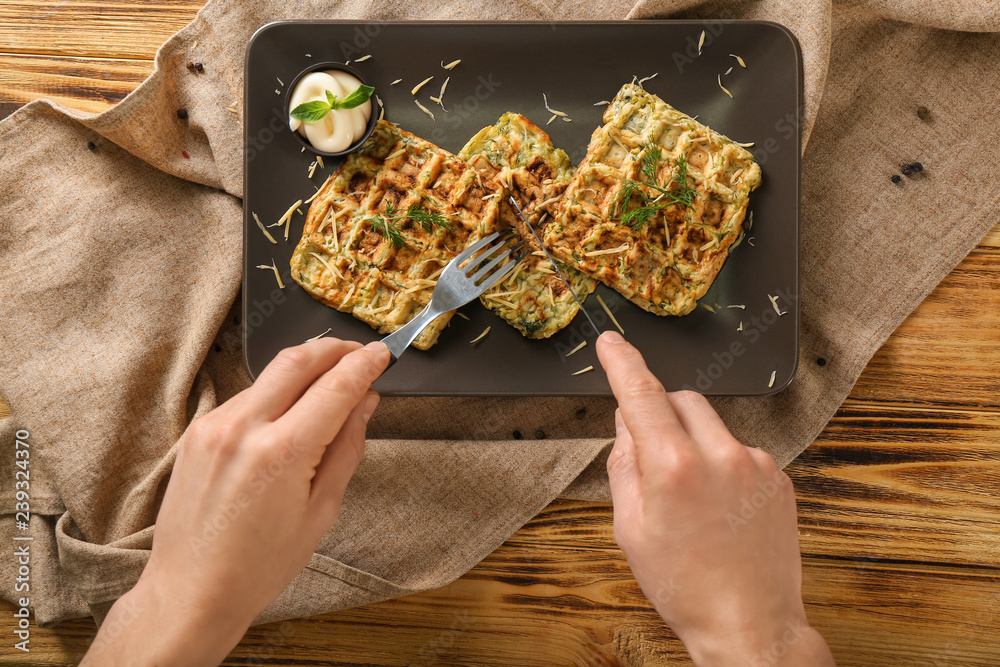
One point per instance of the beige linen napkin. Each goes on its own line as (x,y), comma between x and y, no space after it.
(120,265)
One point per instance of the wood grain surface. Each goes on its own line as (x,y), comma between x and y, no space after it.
(899,498)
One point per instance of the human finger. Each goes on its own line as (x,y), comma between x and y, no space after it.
(645,409)
(624,475)
(340,461)
(291,373)
(317,417)
(701,421)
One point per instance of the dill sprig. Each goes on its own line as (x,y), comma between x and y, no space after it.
(426,219)
(676,192)
(388,224)
(389,228)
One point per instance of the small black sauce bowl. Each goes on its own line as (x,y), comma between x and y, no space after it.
(322,67)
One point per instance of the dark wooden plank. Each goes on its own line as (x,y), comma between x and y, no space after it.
(88,84)
(101,28)
(992,240)
(904,485)
(890,484)
(579,607)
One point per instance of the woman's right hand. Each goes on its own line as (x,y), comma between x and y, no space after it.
(708,526)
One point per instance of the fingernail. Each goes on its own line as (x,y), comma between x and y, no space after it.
(371,402)
(612,337)
(619,422)
(376,346)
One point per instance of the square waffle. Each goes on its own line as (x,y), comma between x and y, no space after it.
(349,259)
(518,157)
(668,263)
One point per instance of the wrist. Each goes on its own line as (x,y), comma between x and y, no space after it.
(793,642)
(198,627)
(152,625)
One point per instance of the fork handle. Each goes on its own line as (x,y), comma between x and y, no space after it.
(400,339)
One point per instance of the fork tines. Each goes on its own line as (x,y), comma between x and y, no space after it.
(483,268)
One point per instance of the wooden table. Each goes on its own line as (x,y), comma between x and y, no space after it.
(899,498)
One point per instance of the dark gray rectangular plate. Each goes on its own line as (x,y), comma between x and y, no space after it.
(507,67)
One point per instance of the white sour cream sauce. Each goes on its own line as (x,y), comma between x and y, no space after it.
(338,129)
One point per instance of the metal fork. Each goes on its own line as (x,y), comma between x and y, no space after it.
(458,285)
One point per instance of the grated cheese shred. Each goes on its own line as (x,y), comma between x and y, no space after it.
(273,267)
(606,251)
(724,89)
(262,228)
(610,314)
(416,88)
(774,304)
(309,340)
(480,336)
(550,109)
(334,273)
(315,194)
(424,109)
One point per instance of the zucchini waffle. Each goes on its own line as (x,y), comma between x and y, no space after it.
(517,157)
(384,225)
(666,263)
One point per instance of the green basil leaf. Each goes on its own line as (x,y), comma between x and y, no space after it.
(332,99)
(311,112)
(357,98)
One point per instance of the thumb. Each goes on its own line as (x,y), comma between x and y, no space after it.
(340,461)
(623,471)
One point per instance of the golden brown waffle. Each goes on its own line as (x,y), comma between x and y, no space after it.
(668,263)
(347,258)
(518,157)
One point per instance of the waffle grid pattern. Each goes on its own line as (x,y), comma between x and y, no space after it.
(666,265)
(519,158)
(345,260)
